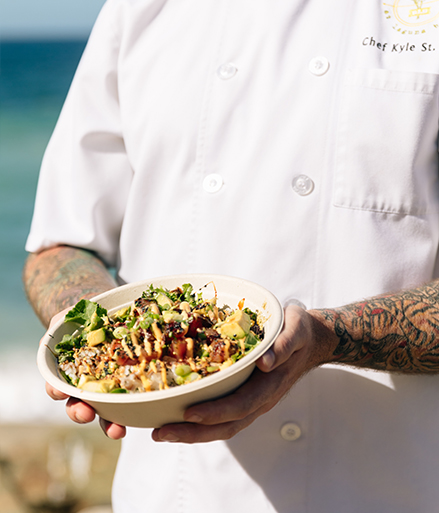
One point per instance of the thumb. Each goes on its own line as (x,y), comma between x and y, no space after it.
(291,339)
(267,361)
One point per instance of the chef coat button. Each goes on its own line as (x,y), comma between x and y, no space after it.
(290,432)
(226,71)
(212,183)
(303,185)
(294,301)
(318,66)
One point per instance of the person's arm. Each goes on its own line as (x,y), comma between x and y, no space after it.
(57,278)
(395,332)
(54,280)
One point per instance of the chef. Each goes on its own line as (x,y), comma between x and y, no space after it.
(291,143)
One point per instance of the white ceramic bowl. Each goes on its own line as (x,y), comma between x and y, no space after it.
(154,409)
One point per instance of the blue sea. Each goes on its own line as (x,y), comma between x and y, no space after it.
(34,80)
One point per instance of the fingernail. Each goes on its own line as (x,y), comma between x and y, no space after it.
(194,418)
(170,437)
(268,359)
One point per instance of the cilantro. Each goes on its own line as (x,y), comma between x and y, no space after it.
(152,292)
(188,294)
(122,315)
(184,294)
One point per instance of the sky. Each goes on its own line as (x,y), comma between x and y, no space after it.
(47,19)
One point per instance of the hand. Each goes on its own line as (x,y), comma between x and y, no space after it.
(294,353)
(77,410)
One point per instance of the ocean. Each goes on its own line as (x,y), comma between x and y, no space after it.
(34,80)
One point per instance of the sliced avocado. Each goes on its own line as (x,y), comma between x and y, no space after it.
(122,312)
(92,385)
(94,338)
(107,385)
(236,326)
(95,322)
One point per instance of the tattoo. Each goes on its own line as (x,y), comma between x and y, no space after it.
(58,277)
(397,332)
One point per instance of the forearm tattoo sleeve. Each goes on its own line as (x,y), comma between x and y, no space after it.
(396,332)
(58,277)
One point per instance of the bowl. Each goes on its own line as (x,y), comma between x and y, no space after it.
(156,408)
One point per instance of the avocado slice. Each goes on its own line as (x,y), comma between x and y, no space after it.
(92,385)
(236,326)
(96,337)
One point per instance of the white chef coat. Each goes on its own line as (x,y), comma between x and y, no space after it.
(292,143)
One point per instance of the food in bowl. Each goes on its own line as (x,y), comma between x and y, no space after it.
(163,339)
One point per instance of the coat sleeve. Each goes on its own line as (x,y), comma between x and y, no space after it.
(85,176)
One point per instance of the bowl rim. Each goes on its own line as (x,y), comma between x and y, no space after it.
(44,351)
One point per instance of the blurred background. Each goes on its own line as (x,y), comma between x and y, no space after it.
(47,464)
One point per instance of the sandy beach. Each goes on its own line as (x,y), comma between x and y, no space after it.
(55,468)
(48,464)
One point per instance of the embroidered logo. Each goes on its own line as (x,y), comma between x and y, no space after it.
(412,16)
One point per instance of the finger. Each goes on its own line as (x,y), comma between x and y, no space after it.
(261,389)
(234,412)
(55,394)
(258,390)
(113,431)
(267,361)
(80,412)
(223,418)
(198,433)
(291,339)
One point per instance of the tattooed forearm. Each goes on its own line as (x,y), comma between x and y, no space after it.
(58,277)
(398,332)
